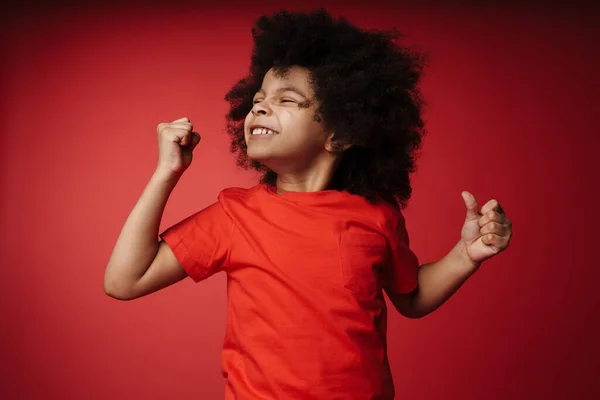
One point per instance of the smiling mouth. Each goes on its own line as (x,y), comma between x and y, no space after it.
(263,131)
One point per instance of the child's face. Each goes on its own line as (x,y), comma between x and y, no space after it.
(286,105)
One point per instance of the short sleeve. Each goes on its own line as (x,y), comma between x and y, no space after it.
(401,269)
(201,242)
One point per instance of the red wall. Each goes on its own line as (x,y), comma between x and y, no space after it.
(513,115)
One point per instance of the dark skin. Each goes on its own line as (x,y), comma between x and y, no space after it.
(485,234)
(300,147)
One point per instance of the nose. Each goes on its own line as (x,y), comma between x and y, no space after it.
(261,108)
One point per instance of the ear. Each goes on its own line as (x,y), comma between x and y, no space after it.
(333,147)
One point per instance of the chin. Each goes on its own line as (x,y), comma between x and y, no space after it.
(260,156)
(265,158)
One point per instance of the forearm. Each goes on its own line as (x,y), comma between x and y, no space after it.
(137,244)
(439,280)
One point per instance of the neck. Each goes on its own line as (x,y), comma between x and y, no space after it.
(298,184)
(316,178)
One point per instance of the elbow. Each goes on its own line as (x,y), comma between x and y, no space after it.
(115,289)
(408,310)
(413,310)
(406,304)
(412,314)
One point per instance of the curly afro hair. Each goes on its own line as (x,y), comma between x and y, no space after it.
(367,90)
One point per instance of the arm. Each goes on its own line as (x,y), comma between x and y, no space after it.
(139,264)
(484,235)
(438,281)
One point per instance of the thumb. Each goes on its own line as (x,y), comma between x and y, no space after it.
(472,207)
(195,139)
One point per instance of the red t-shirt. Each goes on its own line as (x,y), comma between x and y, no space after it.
(306,315)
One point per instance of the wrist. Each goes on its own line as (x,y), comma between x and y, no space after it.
(165,176)
(463,260)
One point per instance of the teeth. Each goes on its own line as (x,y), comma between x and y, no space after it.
(262,131)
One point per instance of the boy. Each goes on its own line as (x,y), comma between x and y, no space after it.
(331,115)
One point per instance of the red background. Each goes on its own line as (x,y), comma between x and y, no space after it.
(513,115)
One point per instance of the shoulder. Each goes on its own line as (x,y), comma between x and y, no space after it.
(384,211)
(391,220)
(233,193)
(236,197)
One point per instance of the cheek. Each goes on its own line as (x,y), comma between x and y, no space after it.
(301,130)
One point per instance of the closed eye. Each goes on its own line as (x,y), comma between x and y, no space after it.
(282,100)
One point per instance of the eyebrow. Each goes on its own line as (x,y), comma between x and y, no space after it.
(286,89)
